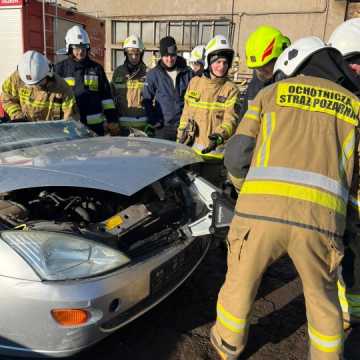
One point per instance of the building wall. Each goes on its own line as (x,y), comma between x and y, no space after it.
(294,18)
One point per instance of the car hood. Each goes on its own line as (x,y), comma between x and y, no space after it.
(118,164)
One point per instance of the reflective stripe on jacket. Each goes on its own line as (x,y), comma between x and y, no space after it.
(127,91)
(54,101)
(91,88)
(212,104)
(299,139)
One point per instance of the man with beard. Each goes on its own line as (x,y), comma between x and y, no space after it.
(164,90)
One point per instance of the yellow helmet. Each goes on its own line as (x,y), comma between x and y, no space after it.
(263,45)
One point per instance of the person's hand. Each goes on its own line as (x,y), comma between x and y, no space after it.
(215,140)
(113,128)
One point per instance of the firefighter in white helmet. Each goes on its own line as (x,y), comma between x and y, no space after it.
(210,115)
(89,83)
(127,84)
(346,38)
(197,60)
(294,152)
(34,93)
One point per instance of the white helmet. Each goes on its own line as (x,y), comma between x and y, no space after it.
(346,37)
(33,67)
(133,42)
(218,45)
(76,36)
(295,55)
(197,54)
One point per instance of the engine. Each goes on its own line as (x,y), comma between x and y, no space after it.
(151,217)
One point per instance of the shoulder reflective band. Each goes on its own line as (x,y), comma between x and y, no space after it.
(70,81)
(108,104)
(293,191)
(210,105)
(308,178)
(313,98)
(95,119)
(230,321)
(325,343)
(347,151)
(268,127)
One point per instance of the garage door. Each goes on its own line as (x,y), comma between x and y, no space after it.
(11,40)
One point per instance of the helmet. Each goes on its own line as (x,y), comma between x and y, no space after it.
(297,53)
(197,54)
(76,36)
(263,45)
(346,37)
(219,45)
(133,42)
(33,67)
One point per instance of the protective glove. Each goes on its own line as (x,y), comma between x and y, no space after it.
(149,130)
(215,141)
(113,128)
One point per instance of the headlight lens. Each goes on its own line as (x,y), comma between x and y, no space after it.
(56,256)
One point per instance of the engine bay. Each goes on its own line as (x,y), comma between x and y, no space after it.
(152,218)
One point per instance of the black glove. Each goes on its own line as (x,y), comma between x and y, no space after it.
(149,130)
(215,141)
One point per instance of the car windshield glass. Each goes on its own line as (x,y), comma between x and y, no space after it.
(21,135)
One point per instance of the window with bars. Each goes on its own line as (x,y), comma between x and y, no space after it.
(186,33)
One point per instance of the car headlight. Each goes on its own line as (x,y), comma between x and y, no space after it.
(57,256)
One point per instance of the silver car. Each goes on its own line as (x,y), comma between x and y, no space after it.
(94,231)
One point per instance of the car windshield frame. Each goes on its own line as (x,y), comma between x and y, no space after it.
(28,134)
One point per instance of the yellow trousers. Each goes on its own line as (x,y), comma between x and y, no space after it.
(253,246)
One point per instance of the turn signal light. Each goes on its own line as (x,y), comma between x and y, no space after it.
(70,317)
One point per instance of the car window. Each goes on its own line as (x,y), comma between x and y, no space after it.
(21,135)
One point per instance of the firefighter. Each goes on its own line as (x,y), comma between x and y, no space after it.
(34,93)
(210,115)
(127,85)
(262,48)
(89,83)
(294,151)
(345,38)
(196,60)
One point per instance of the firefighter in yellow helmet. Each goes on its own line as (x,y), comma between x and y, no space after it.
(210,113)
(345,38)
(34,93)
(262,48)
(127,84)
(295,152)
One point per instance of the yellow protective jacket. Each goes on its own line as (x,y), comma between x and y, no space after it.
(54,101)
(212,104)
(295,149)
(127,92)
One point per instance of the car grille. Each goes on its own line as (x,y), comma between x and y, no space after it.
(163,279)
